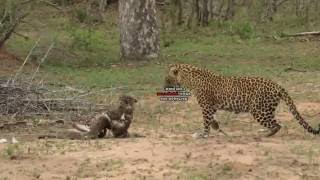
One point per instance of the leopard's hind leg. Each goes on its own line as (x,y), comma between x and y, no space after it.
(264,113)
(267,120)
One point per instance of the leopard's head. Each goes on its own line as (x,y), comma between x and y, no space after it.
(173,77)
(127,102)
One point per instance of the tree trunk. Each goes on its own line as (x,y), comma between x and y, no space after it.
(230,10)
(270,8)
(139,31)
(173,9)
(190,18)
(211,9)
(198,11)
(180,12)
(299,8)
(102,7)
(205,13)
(219,11)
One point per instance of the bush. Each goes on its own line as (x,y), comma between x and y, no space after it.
(85,39)
(244,30)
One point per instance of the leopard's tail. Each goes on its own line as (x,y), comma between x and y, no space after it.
(293,109)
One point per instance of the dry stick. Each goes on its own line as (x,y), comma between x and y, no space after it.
(314,33)
(42,60)
(21,35)
(52,4)
(26,59)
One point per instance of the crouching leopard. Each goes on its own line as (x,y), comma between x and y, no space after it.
(257,96)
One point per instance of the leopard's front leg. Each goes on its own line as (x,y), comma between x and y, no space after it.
(208,121)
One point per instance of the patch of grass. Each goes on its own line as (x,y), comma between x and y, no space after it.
(218,171)
(12,151)
(4,178)
(111,165)
(109,77)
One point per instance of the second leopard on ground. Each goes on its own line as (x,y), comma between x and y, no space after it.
(117,121)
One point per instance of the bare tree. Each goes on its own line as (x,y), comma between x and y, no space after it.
(139,30)
(12,16)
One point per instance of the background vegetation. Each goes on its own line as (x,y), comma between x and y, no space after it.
(231,37)
(249,40)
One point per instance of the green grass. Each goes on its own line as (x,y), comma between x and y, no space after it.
(83,55)
(226,55)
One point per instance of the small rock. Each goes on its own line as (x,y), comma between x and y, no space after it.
(240,151)
(14,140)
(2,141)
(60,121)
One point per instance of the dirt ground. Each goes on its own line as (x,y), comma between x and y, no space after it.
(169,152)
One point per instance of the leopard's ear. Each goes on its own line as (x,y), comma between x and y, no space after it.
(170,66)
(174,69)
(135,100)
(175,72)
(122,98)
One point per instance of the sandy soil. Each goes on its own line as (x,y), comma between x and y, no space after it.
(169,152)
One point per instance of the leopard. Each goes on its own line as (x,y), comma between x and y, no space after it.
(213,91)
(117,121)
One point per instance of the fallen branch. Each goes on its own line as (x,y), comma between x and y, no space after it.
(293,69)
(312,33)
(22,99)
(11,125)
(21,35)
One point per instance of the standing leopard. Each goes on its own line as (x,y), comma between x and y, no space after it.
(257,96)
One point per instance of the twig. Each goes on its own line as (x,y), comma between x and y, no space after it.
(25,60)
(42,60)
(312,33)
(52,5)
(293,69)
(26,2)
(25,37)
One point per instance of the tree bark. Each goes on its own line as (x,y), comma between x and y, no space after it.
(139,30)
